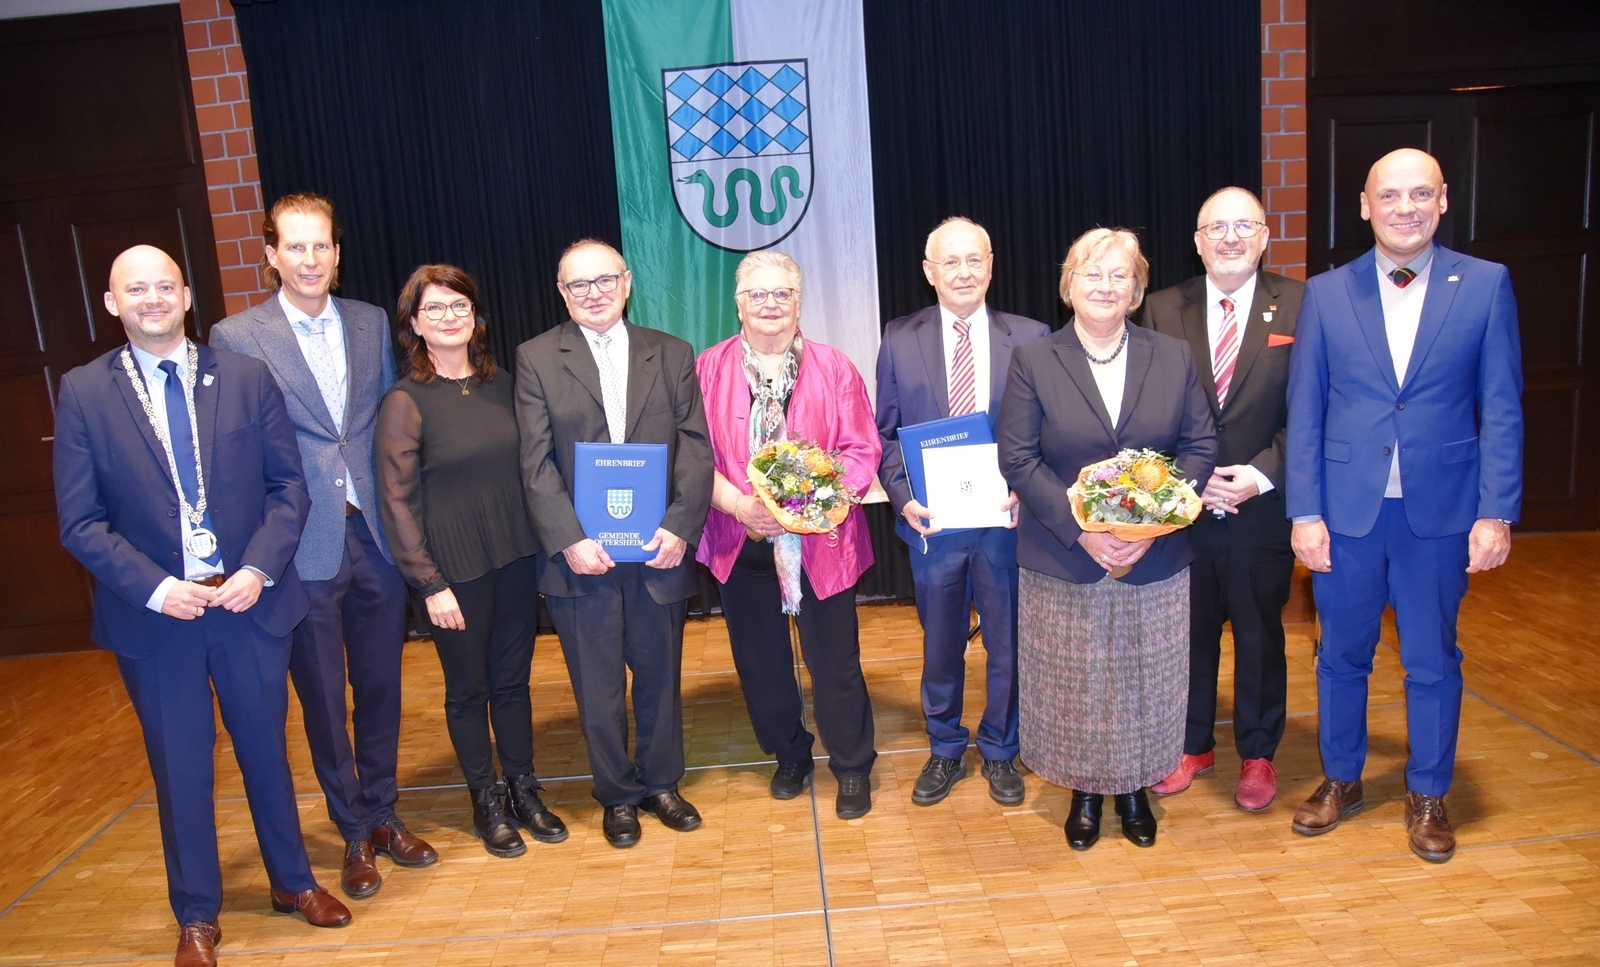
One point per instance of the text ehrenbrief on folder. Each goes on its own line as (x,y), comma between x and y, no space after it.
(970,430)
(620,495)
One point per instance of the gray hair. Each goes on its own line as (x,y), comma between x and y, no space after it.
(767,258)
(927,247)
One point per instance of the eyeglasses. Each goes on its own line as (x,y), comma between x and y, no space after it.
(1117,280)
(580,287)
(972,263)
(435,311)
(1419,196)
(758,297)
(1244,228)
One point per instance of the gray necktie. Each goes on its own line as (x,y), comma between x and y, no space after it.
(320,358)
(614,389)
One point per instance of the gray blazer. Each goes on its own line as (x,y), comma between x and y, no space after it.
(263,331)
(559,405)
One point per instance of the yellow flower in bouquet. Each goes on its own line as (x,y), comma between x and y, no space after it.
(1134,496)
(802,486)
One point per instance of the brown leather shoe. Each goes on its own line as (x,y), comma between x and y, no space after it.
(317,905)
(1431,836)
(360,878)
(1332,802)
(402,845)
(197,944)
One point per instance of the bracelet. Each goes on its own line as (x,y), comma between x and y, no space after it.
(736,507)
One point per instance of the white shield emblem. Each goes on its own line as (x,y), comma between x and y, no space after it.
(619,502)
(739,149)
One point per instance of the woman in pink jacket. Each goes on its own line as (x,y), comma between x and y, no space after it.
(765,384)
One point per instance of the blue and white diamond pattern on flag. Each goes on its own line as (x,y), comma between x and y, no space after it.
(739,149)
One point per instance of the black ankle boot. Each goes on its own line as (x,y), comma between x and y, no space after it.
(522,793)
(1138,822)
(1083,822)
(491,822)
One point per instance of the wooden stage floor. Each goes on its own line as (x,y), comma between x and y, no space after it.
(963,882)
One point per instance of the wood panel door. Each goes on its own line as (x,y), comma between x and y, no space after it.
(1521,167)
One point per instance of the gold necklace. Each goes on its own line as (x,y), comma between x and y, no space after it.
(462,382)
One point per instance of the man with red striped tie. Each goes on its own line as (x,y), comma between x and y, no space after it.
(1240,323)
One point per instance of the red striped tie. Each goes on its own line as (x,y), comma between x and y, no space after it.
(963,376)
(1227,352)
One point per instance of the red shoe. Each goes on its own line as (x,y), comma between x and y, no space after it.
(1188,767)
(1258,785)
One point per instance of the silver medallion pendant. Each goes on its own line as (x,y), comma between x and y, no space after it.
(200,543)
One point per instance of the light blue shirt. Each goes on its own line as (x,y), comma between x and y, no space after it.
(333,337)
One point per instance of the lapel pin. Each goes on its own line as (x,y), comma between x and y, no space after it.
(208,380)
(1267,316)
(1454,278)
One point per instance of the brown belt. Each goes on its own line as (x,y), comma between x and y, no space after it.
(350,510)
(214,581)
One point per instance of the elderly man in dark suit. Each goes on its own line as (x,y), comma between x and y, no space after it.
(1405,476)
(951,359)
(598,378)
(178,487)
(1239,323)
(333,360)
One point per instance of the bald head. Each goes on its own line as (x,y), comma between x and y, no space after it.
(1404,198)
(146,292)
(957,262)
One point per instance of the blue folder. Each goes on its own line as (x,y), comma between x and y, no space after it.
(620,494)
(973,428)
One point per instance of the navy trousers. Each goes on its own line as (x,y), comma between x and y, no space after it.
(974,568)
(171,693)
(1425,580)
(354,632)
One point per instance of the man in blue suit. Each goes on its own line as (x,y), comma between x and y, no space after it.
(1404,476)
(333,361)
(178,487)
(948,360)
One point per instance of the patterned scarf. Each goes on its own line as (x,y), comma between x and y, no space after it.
(768,423)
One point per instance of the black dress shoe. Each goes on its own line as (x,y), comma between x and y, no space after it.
(1083,820)
(522,795)
(791,779)
(621,825)
(1005,785)
(939,776)
(492,823)
(673,810)
(855,797)
(1138,822)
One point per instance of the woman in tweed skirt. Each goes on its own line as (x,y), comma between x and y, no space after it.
(1103,664)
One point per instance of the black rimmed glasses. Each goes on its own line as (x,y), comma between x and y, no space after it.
(434,311)
(580,288)
(759,297)
(1244,228)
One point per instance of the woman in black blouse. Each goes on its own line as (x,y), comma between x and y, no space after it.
(450,489)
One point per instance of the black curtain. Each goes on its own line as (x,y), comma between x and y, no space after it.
(1042,119)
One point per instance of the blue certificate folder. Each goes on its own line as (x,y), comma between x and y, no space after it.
(620,494)
(973,428)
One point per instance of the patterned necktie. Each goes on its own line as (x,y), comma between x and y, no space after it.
(963,375)
(320,358)
(1227,352)
(181,435)
(1402,277)
(613,389)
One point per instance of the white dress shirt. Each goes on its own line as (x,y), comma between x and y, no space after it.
(978,333)
(1244,299)
(1402,315)
(617,351)
(1111,378)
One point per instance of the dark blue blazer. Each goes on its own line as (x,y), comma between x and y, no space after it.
(1053,424)
(118,507)
(1457,412)
(912,387)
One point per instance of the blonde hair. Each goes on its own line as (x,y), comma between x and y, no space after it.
(1091,245)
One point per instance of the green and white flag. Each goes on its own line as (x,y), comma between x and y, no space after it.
(741,125)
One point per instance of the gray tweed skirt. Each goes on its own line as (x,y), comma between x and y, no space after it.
(1103,676)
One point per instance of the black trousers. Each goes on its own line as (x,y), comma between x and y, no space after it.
(604,635)
(486,666)
(758,633)
(1249,587)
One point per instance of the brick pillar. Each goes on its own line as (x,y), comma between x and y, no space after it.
(1283,133)
(228,145)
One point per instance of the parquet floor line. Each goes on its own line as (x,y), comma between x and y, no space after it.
(72,855)
(816,818)
(1534,728)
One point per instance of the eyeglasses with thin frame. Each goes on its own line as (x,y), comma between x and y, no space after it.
(972,263)
(579,288)
(1117,280)
(1418,196)
(434,311)
(1244,228)
(758,297)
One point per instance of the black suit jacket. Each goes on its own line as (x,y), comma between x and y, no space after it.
(1053,423)
(559,404)
(1252,427)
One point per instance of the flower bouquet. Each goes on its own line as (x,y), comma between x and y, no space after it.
(1135,495)
(802,485)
